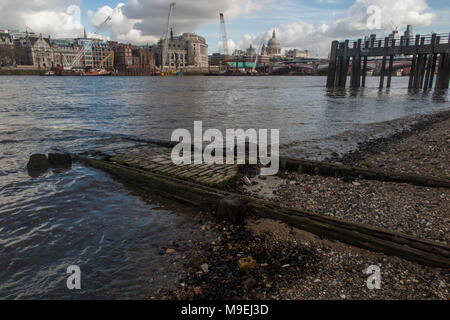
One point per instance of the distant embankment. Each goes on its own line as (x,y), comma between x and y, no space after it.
(19,72)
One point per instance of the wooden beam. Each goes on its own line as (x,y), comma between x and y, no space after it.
(345,64)
(383,63)
(332,66)
(433,66)
(412,73)
(391,66)
(430,62)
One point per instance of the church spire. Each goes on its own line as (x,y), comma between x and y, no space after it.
(273,35)
(85,36)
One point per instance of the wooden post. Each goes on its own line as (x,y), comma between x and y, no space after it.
(391,65)
(445,78)
(345,64)
(444,72)
(364,70)
(414,63)
(422,70)
(354,68)
(332,66)
(433,66)
(339,60)
(358,65)
(430,62)
(419,64)
(383,64)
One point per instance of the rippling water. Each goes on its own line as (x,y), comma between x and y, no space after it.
(84,217)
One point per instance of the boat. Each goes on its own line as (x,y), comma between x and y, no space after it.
(98,72)
(48,73)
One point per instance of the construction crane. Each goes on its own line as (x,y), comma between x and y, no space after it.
(226,53)
(110,55)
(108,19)
(169,30)
(256,59)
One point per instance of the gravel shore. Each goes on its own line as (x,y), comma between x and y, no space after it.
(418,211)
(293,264)
(424,149)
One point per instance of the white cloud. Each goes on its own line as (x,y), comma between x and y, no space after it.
(146,20)
(305,35)
(50,17)
(121,28)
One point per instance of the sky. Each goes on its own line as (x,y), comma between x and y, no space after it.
(302,24)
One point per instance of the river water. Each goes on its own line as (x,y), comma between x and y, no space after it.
(83,217)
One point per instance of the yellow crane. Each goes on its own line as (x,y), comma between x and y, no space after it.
(110,55)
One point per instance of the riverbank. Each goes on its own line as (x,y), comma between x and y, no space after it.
(20,72)
(293,264)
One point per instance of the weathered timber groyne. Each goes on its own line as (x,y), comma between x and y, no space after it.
(339,170)
(428,54)
(235,207)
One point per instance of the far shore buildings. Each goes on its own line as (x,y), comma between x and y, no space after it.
(272,52)
(26,49)
(273,47)
(186,51)
(6,48)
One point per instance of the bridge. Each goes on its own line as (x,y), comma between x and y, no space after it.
(322,68)
(430,57)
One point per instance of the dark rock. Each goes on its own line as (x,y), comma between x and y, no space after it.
(60,160)
(250,283)
(37,165)
(232,209)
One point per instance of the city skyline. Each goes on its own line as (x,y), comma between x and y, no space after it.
(299,24)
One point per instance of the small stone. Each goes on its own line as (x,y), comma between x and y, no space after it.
(246,181)
(168,251)
(356,183)
(246,263)
(205,267)
(198,291)
(250,283)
